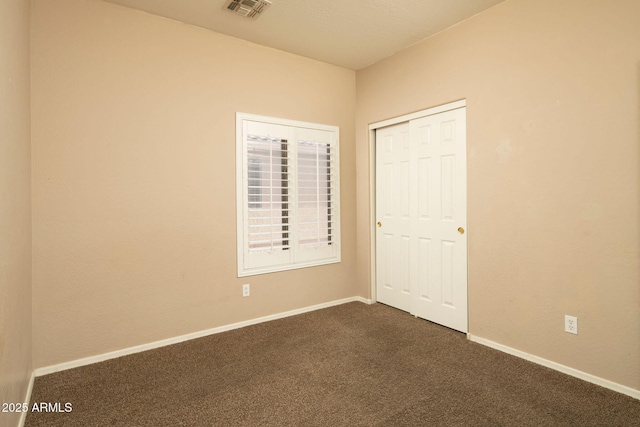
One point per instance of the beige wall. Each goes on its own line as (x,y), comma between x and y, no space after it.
(553,99)
(134,177)
(15,206)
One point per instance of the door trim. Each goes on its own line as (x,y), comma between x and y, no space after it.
(418,114)
(372,183)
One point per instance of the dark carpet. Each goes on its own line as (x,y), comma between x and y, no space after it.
(349,365)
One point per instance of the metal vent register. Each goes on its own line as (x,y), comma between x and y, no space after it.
(248,8)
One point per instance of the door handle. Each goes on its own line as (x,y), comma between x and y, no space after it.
(460,230)
(379,224)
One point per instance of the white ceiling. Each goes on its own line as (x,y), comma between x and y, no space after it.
(349,33)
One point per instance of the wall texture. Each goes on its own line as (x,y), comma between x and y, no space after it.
(553,100)
(15,206)
(134,233)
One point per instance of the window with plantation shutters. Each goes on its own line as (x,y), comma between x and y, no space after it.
(287,194)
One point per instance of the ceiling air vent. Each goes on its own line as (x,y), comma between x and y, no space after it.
(247,8)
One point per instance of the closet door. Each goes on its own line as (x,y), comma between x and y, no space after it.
(421,257)
(393,221)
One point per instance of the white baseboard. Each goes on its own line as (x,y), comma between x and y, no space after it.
(137,349)
(364,300)
(558,367)
(27,399)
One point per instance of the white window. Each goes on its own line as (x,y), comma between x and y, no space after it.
(288,194)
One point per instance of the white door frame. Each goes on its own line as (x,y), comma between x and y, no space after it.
(372,177)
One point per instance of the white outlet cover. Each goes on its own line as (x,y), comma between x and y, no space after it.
(571,324)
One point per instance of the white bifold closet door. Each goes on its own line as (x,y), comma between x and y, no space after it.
(421,218)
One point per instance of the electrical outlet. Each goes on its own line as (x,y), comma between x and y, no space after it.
(571,324)
(246,290)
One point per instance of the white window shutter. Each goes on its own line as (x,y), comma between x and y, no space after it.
(316,163)
(266,195)
(288,194)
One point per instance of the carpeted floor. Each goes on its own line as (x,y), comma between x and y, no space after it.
(349,365)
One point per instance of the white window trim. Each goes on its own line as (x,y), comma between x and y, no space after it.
(242,197)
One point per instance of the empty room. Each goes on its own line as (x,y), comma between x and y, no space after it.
(220,212)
